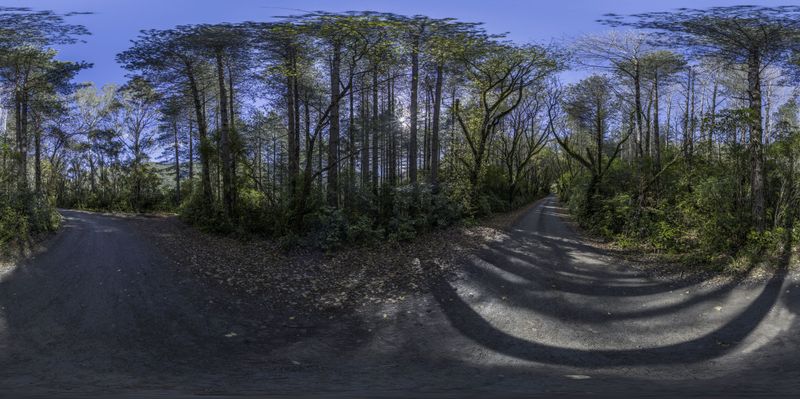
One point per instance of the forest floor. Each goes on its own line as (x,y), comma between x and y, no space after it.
(312,283)
(518,306)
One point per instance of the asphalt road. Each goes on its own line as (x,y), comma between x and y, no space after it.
(536,312)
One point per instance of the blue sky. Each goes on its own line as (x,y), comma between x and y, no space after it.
(116,22)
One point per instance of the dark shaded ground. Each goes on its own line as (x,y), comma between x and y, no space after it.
(536,312)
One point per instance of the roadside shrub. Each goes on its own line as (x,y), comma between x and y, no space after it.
(768,243)
(667,236)
(401,229)
(42,216)
(612,215)
(13,224)
(360,230)
(329,228)
(207,217)
(25,216)
(444,210)
(574,195)
(719,222)
(257,215)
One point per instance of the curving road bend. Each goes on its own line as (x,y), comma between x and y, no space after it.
(536,311)
(541,294)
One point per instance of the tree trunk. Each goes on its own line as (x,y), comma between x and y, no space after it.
(294,130)
(259,172)
(92,174)
(437,105)
(205,147)
(233,138)
(756,132)
(21,106)
(177,165)
(692,119)
(767,113)
(426,137)
(333,133)
(351,149)
(365,151)
(375,130)
(224,139)
(412,149)
(191,154)
(637,88)
(599,138)
(648,147)
(37,159)
(392,134)
(712,124)
(668,119)
(656,127)
(687,117)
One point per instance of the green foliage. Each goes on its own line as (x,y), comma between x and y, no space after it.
(715,217)
(329,228)
(494,191)
(24,217)
(255,215)
(42,216)
(698,211)
(612,215)
(144,189)
(398,213)
(361,230)
(445,210)
(573,189)
(206,216)
(769,243)
(13,224)
(410,214)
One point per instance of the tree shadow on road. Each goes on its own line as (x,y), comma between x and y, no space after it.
(172,340)
(567,280)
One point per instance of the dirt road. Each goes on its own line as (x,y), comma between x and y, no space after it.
(537,311)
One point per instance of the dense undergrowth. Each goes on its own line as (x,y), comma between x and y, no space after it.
(697,213)
(24,219)
(398,214)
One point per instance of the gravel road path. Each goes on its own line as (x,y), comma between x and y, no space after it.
(536,311)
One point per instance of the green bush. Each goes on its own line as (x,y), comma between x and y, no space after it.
(13,225)
(444,210)
(360,230)
(329,228)
(704,215)
(27,216)
(768,242)
(207,217)
(718,223)
(257,215)
(612,216)
(667,237)
(402,229)
(42,216)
